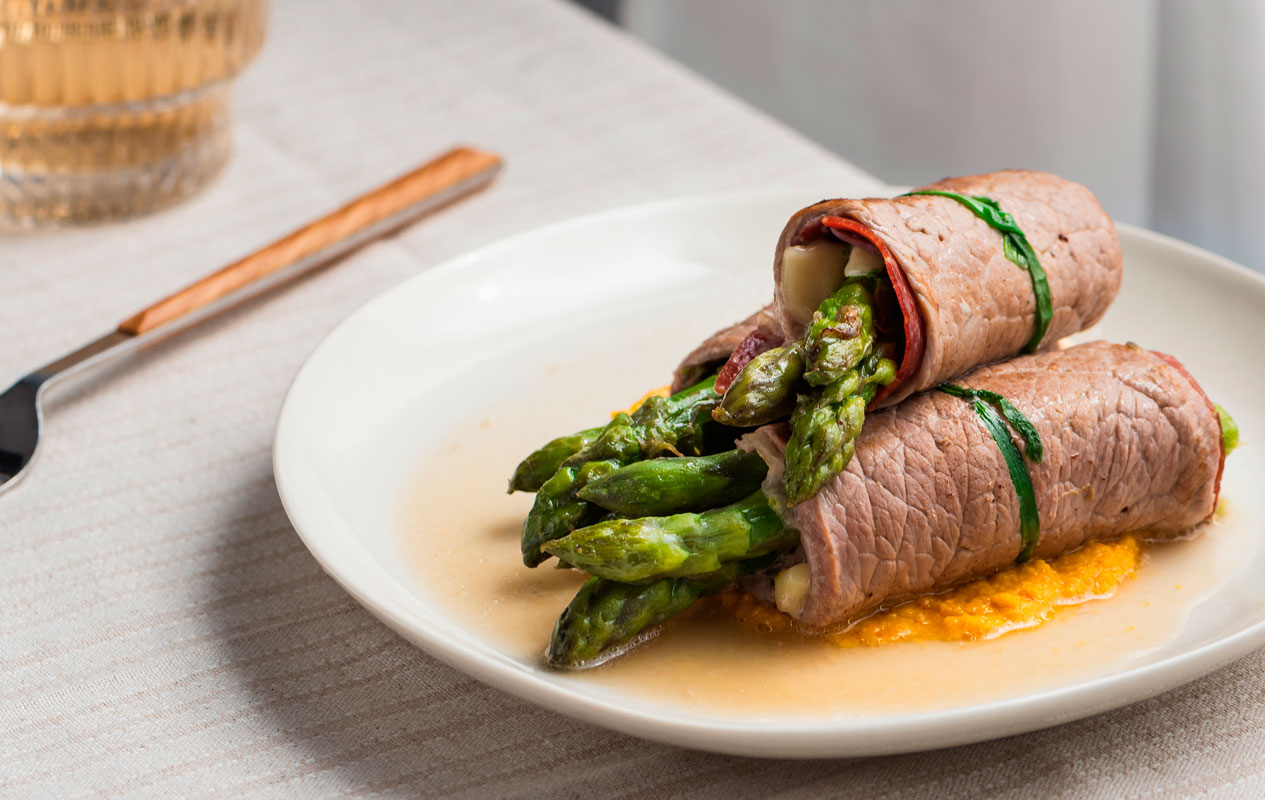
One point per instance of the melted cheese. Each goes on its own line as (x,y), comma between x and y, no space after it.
(810,273)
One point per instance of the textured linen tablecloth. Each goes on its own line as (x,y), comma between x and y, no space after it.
(164,632)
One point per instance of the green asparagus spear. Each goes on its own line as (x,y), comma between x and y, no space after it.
(661,425)
(764,390)
(839,337)
(1229,430)
(825,425)
(558,510)
(841,333)
(533,471)
(636,550)
(540,466)
(606,617)
(673,485)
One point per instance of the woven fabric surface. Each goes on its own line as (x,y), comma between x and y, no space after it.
(163,631)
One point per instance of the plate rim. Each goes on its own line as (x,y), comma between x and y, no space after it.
(756,735)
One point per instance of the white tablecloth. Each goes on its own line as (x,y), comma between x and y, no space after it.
(164,632)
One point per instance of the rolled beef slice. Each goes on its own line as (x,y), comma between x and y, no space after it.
(964,303)
(1131,444)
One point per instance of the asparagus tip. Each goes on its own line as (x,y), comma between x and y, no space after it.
(534,558)
(558,655)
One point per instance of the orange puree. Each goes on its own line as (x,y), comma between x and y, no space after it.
(1022,596)
(662,391)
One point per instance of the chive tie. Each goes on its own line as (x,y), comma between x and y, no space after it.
(995,412)
(1017,249)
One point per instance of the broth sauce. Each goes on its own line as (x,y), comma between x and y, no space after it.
(459,534)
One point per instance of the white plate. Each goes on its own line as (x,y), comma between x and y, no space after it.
(374,396)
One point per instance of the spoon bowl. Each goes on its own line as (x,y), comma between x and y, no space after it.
(19,427)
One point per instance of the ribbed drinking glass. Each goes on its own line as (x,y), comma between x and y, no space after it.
(113,108)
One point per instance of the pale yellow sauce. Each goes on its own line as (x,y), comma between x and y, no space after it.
(460,531)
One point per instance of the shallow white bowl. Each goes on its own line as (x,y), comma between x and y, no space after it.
(375,394)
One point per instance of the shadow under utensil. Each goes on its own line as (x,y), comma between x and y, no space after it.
(360,702)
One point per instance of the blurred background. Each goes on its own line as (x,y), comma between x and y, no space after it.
(111,109)
(1156,105)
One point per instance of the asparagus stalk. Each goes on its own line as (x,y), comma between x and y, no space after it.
(1229,430)
(841,333)
(764,390)
(842,361)
(662,424)
(680,545)
(607,617)
(673,485)
(558,510)
(534,470)
(825,426)
(540,466)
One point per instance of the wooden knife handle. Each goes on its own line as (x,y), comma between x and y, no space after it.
(433,184)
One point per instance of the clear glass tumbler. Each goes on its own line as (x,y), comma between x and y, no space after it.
(113,108)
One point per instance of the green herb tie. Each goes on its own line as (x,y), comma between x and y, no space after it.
(995,411)
(1016,247)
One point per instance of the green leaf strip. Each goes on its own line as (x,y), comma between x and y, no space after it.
(1016,247)
(995,411)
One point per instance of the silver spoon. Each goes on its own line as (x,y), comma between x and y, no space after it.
(452,175)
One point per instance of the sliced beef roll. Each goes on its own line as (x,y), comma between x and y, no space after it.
(1131,443)
(961,301)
